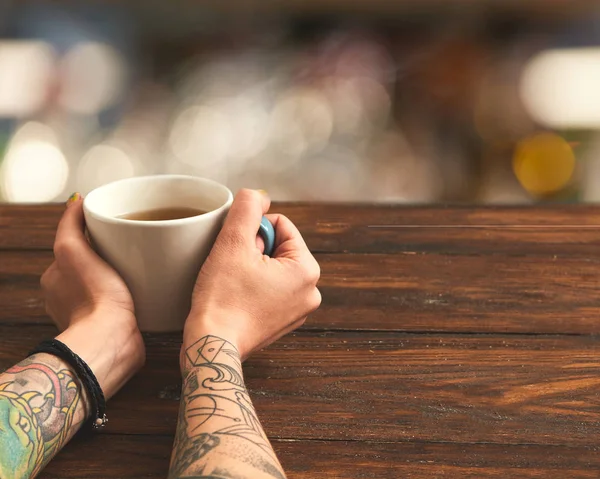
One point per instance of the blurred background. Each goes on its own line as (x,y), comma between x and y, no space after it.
(406,101)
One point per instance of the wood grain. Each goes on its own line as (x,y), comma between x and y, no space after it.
(385,387)
(148,456)
(402,292)
(102,456)
(560,230)
(462,344)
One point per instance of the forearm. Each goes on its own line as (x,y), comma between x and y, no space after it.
(218,432)
(42,405)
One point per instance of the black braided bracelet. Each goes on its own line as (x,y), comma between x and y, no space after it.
(84,373)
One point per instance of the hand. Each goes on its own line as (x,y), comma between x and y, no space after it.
(91,305)
(246,297)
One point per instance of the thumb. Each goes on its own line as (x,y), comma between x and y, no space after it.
(71,227)
(245,215)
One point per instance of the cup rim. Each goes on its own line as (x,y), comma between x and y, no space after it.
(155,223)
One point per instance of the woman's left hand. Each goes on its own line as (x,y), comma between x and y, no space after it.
(79,284)
(91,305)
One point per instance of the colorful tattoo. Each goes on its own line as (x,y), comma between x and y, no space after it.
(219,434)
(40,401)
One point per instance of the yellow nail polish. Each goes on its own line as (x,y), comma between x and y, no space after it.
(263,192)
(73,198)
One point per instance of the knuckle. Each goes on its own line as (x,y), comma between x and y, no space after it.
(65,248)
(315,300)
(316,271)
(44,280)
(312,271)
(318,298)
(246,194)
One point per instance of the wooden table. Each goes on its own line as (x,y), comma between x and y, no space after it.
(458,344)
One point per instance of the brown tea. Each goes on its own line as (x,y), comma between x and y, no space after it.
(161,214)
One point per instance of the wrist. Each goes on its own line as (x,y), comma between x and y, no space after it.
(202,341)
(113,352)
(224,324)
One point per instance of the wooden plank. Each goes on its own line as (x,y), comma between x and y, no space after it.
(385,387)
(565,230)
(102,456)
(557,230)
(126,457)
(406,292)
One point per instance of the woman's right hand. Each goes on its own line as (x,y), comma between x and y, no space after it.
(246,297)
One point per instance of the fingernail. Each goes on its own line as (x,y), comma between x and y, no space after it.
(263,192)
(73,199)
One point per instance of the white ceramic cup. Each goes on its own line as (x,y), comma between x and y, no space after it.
(159,260)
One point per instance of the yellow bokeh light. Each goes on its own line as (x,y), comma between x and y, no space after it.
(544,163)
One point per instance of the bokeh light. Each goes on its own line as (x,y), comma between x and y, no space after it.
(93,77)
(34,168)
(336,170)
(347,108)
(561,88)
(102,164)
(201,136)
(248,119)
(26,76)
(544,163)
(301,121)
(357,103)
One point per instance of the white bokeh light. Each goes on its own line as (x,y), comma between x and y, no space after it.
(335,174)
(201,136)
(103,164)
(34,168)
(358,103)
(26,69)
(249,119)
(93,78)
(560,88)
(301,121)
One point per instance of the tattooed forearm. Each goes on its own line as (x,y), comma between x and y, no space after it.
(219,435)
(41,407)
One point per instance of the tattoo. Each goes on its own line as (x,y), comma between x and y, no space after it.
(219,435)
(39,401)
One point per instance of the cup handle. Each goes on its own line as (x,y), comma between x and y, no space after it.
(267,233)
